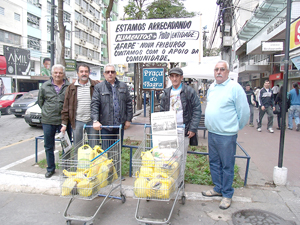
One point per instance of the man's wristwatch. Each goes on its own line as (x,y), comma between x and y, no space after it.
(63,125)
(95,121)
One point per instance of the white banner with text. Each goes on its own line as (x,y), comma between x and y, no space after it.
(156,40)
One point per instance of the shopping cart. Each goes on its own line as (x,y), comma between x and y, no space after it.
(158,179)
(92,168)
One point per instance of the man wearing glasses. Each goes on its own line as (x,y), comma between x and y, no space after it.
(111,106)
(227,112)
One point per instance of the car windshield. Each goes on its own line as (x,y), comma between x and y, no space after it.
(8,97)
(30,95)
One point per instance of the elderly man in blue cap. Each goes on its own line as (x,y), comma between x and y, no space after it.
(185,102)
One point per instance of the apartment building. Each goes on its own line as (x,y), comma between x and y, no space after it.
(25,35)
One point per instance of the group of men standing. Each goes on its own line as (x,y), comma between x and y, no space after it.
(108,103)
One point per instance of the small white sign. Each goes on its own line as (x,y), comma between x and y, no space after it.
(271,46)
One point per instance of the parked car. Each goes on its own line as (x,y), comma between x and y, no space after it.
(7,99)
(33,116)
(19,107)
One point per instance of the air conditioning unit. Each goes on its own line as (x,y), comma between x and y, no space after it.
(76,22)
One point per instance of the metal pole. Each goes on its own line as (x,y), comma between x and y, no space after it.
(52,49)
(285,82)
(71,47)
(16,70)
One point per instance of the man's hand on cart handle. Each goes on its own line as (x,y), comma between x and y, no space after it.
(63,129)
(190,134)
(97,125)
(127,125)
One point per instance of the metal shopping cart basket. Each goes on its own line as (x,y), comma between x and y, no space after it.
(92,168)
(159,179)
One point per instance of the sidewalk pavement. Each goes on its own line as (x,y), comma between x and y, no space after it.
(260,193)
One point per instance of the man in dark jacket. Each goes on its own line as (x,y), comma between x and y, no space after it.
(51,99)
(251,102)
(77,106)
(266,105)
(184,100)
(111,106)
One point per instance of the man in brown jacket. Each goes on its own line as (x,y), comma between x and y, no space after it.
(77,107)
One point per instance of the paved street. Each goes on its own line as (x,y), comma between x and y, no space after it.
(23,184)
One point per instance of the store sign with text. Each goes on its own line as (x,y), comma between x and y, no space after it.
(295,35)
(163,40)
(153,78)
(17,59)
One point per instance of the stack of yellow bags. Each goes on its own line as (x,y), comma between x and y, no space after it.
(89,179)
(155,179)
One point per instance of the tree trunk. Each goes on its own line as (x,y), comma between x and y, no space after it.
(62,30)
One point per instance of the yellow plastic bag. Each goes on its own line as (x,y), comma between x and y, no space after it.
(84,153)
(147,158)
(158,188)
(107,173)
(140,186)
(169,168)
(146,172)
(68,186)
(87,187)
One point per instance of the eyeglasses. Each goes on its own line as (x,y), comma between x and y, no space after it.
(221,69)
(112,72)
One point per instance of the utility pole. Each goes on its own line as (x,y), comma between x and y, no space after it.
(226,29)
(52,47)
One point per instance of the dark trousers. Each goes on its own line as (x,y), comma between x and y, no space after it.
(49,143)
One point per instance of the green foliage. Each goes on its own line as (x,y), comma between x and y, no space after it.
(197,171)
(167,9)
(134,10)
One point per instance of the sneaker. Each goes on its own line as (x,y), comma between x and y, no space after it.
(259,129)
(251,125)
(225,203)
(298,127)
(271,130)
(290,128)
(49,174)
(278,128)
(211,193)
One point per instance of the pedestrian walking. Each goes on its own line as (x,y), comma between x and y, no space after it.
(227,112)
(256,93)
(51,99)
(77,106)
(250,98)
(275,90)
(294,111)
(266,105)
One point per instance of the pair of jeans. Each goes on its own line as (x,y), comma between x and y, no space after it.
(294,112)
(49,143)
(221,150)
(108,138)
(269,111)
(251,107)
(92,134)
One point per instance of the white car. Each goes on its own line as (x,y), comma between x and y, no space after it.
(33,116)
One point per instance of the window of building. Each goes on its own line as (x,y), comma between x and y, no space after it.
(91,24)
(49,7)
(48,27)
(91,10)
(85,21)
(9,38)
(34,2)
(77,16)
(78,2)
(77,32)
(67,2)
(78,49)
(67,52)
(91,39)
(17,16)
(84,51)
(97,28)
(1,11)
(68,35)
(67,16)
(48,46)
(84,5)
(33,20)
(33,43)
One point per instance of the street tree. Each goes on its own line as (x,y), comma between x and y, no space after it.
(168,9)
(62,30)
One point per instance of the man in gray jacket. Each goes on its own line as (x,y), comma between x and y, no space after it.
(111,106)
(51,99)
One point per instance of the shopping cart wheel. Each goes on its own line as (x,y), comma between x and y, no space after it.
(123,198)
(182,199)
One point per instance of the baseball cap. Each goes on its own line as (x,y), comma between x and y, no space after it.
(176,70)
